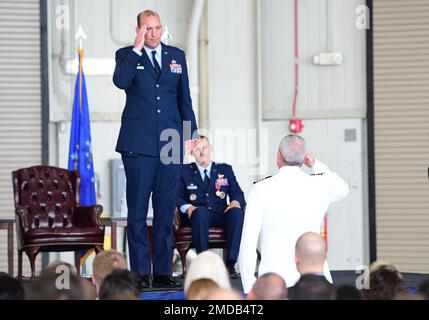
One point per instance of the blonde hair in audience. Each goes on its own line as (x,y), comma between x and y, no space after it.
(200,288)
(207,265)
(104,263)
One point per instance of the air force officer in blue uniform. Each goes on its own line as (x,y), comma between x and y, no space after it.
(155,79)
(204,189)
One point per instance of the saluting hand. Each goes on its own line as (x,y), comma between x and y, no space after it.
(233,204)
(309,159)
(140,37)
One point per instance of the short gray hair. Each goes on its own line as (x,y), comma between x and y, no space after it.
(292,148)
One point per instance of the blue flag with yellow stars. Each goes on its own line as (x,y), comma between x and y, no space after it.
(80,149)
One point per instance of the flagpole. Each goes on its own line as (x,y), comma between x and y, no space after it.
(80,35)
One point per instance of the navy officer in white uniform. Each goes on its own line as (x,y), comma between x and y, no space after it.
(282,208)
(204,189)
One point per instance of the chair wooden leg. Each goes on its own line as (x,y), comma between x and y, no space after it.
(19,265)
(77,261)
(10,249)
(32,253)
(183,250)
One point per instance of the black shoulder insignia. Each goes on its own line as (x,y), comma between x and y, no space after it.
(317,174)
(261,179)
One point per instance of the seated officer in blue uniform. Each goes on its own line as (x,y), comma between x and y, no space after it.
(203,191)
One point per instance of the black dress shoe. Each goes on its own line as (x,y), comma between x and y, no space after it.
(165,282)
(232,273)
(143,283)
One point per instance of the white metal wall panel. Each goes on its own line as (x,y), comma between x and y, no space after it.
(325,92)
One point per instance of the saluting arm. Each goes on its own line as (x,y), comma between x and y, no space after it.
(127,60)
(125,69)
(338,188)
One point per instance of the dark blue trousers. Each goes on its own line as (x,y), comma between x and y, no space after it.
(146,174)
(203,219)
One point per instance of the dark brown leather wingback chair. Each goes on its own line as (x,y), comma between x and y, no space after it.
(48,217)
(183,239)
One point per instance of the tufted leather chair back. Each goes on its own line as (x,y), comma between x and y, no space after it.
(48,194)
(48,215)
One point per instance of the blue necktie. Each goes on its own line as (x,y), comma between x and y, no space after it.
(206,179)
(156,64)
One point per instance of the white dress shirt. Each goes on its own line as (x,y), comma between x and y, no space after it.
(148,51)
(279,210)
(158,50)
(201,169)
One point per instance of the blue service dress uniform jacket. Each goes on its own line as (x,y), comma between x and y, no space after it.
(211,204)
(152,104)
(155,108)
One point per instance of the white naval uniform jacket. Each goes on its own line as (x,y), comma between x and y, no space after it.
(279,210)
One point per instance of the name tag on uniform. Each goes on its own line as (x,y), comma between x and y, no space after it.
(191,187)
(175,67)
(140,67)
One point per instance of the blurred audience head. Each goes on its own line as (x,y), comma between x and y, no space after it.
(104,263)
(269,286)
(120,285)
(404,295)
(385,282)
(59,267)
(200,288)
(224,294)
(310,253)
(10,288)
(59,285)
(313,287)
(208,265)
(291,151)
(348,292)
(424,289)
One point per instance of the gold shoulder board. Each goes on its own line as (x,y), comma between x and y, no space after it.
(261,179)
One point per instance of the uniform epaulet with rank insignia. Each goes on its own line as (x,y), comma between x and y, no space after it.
(261,179)
(317,174)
